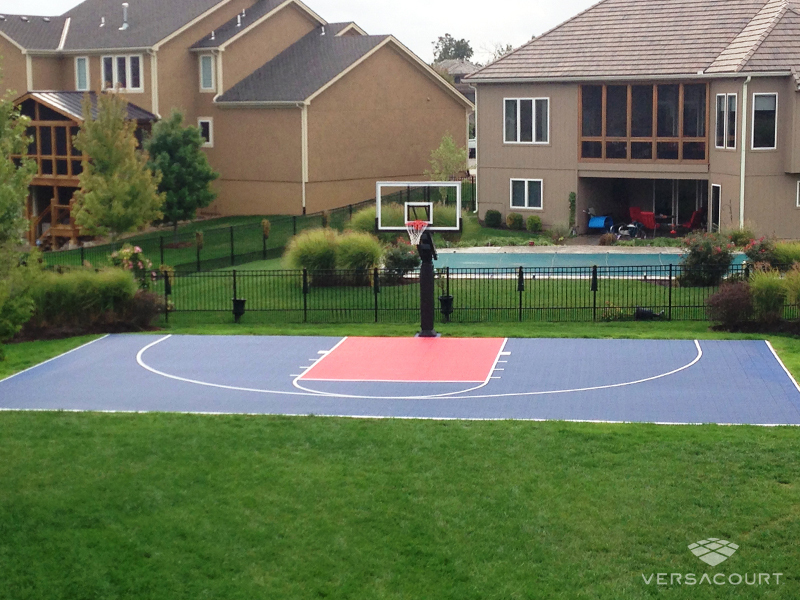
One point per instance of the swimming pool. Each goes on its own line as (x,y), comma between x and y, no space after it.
(511,257)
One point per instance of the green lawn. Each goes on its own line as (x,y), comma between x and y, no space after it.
(177,506)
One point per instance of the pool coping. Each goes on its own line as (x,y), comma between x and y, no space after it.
(562,250)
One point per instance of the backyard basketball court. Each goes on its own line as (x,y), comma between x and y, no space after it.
(658,381)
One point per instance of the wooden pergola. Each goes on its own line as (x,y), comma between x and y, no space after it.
(55,120)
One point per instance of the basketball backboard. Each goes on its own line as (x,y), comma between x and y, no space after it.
(438,203)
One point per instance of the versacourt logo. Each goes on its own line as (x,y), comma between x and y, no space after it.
(713,551)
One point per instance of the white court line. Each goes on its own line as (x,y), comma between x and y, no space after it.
(429,396)
(55,357)
(454,395)
(783,366)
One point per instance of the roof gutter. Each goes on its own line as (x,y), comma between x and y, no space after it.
(594,78)
(258,104)
(743,171)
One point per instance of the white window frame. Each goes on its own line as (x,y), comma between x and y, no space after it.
(527,194)
(115,72)
(797,204)
(533,141)
(88,86)
(753,122)
(726,119)
(210,121)
(213,87)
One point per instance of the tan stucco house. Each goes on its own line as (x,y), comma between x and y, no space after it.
(669,106)
(299,114)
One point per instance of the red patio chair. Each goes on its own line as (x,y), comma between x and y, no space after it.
(695,222)
(648,219)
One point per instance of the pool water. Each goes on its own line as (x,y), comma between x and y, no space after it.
(475,260)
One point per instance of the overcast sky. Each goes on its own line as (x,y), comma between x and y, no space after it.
(416,23)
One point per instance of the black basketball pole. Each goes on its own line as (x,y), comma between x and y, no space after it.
(427,253)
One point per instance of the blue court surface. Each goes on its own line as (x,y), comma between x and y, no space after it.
(681,381)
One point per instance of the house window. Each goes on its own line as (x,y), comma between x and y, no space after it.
(527,120)
(643,122)
(765,121)
(798,195)
(207,73)
(123,72)
(726,121)
(81,73)
(526,193)
(206,125)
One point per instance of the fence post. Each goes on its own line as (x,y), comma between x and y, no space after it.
(233,256)
(376,288)
(198,257)
(83,259)
(594,293)
(294,225)
(161,248)
(167,290)
(669,317)
(350,208)
(263,247)
(234,285)
(520,288)
(474,194)
(305,295)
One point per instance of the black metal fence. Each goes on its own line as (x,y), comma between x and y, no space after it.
(569,294)
(221,247)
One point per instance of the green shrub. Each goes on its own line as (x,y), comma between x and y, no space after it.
(514,221)
(707,260)
(607,239)
(731,305)
(493,218)
(534,224)
(741,237)
(787,253)
(769,295)
(82,299)
(314,249)
(791,282)
(356,250)
(761,250)
(399,260)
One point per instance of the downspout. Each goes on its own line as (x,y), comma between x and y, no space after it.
(304,150)
(154,81)
(744,153)
(476,146)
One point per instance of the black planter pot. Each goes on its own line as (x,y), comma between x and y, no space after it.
(238,308)
(446,306)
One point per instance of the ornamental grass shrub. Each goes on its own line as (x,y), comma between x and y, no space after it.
(787,254)
(769,295)
(741,237)
(731,306)
(707,260)
(791,283)
(356,250)
(313,249)
(322,251)
(391,214)
(85,300)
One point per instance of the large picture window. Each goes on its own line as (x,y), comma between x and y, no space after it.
(726,121)
(526,193)
(644,122)
(765,121)
(122,72)
(527,120)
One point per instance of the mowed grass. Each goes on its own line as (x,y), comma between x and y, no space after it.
(176,506)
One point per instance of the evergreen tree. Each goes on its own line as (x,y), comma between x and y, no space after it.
(118,192)
(186,176)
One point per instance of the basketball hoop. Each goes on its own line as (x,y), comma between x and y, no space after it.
(415,230)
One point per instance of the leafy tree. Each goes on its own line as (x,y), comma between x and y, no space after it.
(185,173)
(500,50)
(118,192)
(15,177)
(447,47)
(448,160)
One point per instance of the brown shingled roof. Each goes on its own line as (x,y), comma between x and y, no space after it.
(645,38)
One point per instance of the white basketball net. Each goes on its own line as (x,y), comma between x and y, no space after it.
(415,230)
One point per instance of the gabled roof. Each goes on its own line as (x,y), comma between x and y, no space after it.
(303,68)
(649,38)
(457,66)
(150,22)
(239,24)
(32,32)
(71,104)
